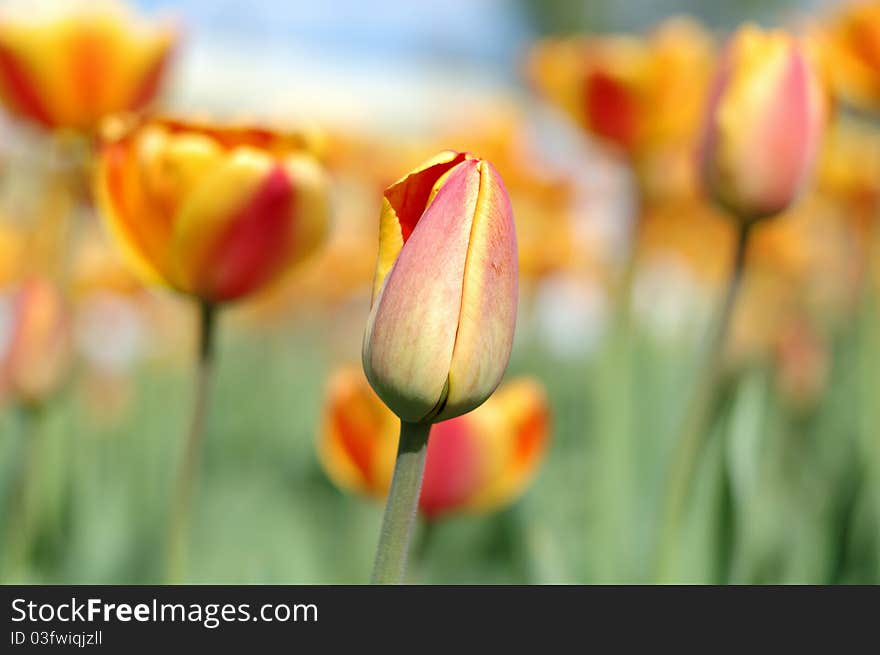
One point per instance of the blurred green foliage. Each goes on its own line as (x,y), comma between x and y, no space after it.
(781,496)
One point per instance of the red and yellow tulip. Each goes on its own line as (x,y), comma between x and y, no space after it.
(441,324)
(68,64)
(477,462)
(213,212)
(763,125)
(643,95)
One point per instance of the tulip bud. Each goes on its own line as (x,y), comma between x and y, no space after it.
(213,212)
(764,122)
(441,324)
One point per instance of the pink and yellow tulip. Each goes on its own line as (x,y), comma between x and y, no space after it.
(478,462)
(441,324)
(763,126)
(69,64)
(213,212)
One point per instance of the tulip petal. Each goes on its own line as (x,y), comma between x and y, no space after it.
(411,330)
(515,428)
(312,206)
(359,435)
(234,230)
(139,183)
(453,467)
(488,303)
(74,68)
(19,90)
(611,109)
(403,204)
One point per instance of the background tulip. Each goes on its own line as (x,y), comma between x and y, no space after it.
(851,46)
(763,125)
(69,64)
(441,323)
(37,349)
(477,462)
(214,212)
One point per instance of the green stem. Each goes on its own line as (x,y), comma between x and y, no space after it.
(22,516)
(402,504)
(178,535)
(698,420)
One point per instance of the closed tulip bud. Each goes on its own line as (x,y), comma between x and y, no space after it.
(69,64)
(441,323)
(478,462)
(213,212)
(764,123)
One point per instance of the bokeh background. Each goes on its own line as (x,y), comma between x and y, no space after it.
(787,490)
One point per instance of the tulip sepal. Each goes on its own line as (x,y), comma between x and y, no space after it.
(402,504)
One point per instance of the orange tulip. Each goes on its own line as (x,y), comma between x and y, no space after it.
(38,342)
(852,49)
(213,212)
(477,462)
(69,64)
(441,324)
(763,124)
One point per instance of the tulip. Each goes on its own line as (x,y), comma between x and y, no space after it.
(763,125)
(216,213)
(478,462)
(762,130)
(641,95)
(36,355)
(441,323)
(852,50)
(69,64)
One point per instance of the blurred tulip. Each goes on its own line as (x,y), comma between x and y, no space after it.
(37,341)
(643,95)
(763,124)
(852,50)
(213,212)
(477,462)
(441,323)
(68,64)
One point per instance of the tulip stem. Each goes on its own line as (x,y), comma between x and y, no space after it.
(402,504)
(188,472)
(22,515)
(698,419)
